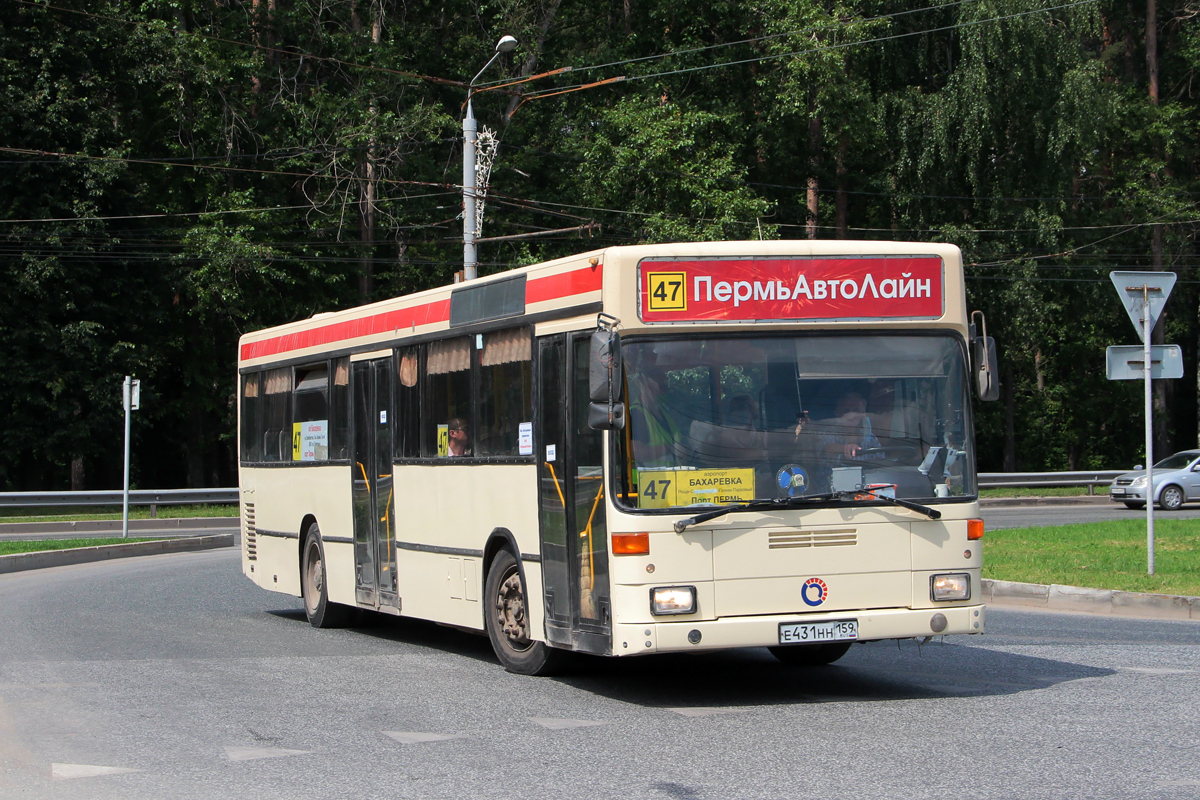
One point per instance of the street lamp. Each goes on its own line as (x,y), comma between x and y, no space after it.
(470,255)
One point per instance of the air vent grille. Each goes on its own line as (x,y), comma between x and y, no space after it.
(251,533)
(845,537)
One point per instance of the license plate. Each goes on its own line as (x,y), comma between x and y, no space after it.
(1118,492)
(841,630)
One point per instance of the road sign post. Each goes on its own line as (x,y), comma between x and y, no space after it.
(131,396)
(1144,294)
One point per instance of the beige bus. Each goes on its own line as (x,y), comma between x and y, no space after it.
(635,450)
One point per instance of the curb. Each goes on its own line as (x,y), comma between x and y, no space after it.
(1056,597)
(44,559)
(1073,500)
(110,525)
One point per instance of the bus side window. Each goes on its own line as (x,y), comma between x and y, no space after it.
(251,422)
(408,403)
(505,391)
(310,430)
(277,414)
(448,386)
(339,411)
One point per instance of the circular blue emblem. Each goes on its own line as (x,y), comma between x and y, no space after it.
(792,479)
(814,591)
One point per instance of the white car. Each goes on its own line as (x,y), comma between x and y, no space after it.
(1176,481)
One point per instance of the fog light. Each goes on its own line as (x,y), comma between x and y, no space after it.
(673,600)
(937,623)
(953,586)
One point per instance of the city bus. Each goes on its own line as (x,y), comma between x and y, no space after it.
(635,450)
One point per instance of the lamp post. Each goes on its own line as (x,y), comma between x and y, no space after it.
(470,130)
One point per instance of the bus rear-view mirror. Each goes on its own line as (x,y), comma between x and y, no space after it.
(606,412)
(983,360)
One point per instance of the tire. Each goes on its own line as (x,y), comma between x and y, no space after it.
(1170,498)
(810,655)
(507,622)
(320,611)
(1134,506)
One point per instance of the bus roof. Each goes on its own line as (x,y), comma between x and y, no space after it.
(582,285)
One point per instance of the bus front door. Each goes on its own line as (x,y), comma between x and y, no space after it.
(574,535)
(374,523)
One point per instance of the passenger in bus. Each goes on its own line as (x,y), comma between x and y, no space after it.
(849,433)
(460,437)
(651,425)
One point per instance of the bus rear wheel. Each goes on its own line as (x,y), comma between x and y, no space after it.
(810,655)
(507,621)
(320,611)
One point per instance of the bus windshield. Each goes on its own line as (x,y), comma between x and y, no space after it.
(725,419)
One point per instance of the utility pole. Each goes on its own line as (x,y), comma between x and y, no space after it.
(470,136)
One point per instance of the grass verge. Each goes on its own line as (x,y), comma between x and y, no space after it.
(59,514)
(11,548)
(1099,555)
(1043,491)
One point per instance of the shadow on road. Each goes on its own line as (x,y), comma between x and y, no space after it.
(873,671)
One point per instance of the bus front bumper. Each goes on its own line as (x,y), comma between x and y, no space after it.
(763,631)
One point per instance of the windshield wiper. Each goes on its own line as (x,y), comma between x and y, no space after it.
(792,502)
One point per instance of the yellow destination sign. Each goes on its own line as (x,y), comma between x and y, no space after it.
(664,488)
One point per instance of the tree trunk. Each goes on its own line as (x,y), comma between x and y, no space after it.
(841,199)
(814,164)
(77,474)
(368,215)
(535,52)
(1010,417)
(1152,49)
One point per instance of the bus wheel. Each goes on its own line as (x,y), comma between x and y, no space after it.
(810,655)
(507,621)
(321,613)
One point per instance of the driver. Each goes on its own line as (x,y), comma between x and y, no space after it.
(849,433)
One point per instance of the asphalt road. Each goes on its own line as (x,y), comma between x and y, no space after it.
(192,683)
(996,517)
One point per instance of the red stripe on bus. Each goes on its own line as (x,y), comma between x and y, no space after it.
(538,290)
(579,281)
(427,314)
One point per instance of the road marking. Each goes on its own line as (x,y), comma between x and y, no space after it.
(252,753)
(565,724)
(704,711)
(1156,670)
(416,737)
(1184,782)
(66,772)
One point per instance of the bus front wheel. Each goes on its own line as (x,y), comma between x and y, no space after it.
(320,612)
(507,621)
(810,655)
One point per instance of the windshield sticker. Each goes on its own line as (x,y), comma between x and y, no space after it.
(905,287)
(814,592)
(666,488)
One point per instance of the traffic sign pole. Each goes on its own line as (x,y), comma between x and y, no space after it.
(1143,294)
(1149,433)
(126,398)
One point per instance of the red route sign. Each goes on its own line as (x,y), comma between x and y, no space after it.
(743,290)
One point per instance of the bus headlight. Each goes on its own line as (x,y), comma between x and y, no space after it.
(952,586)
(666,600)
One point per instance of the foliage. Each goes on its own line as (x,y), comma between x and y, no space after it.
(178,173)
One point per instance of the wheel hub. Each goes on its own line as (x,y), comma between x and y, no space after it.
(510,611)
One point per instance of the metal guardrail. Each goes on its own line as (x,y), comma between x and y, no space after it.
(137,497)
(171,497)
(1033,480)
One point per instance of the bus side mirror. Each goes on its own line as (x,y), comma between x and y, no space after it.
(984,364)
(605,411)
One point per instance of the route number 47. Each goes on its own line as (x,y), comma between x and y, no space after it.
(656,491)
(666,291)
